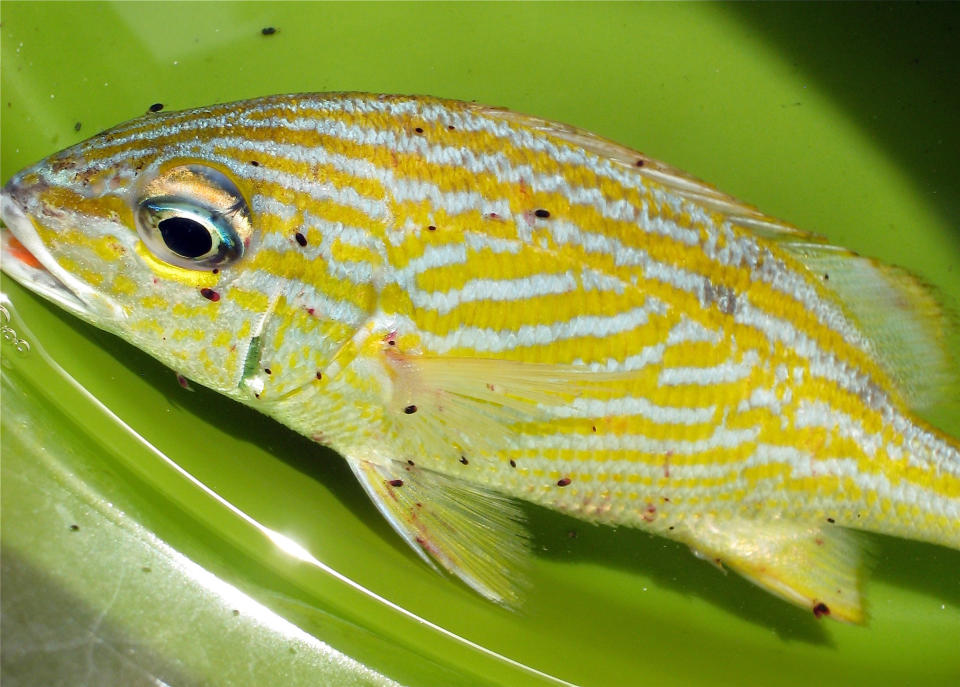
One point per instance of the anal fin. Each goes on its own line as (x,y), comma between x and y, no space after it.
(814,567)
(473,533)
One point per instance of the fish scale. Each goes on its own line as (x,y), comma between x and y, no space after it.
(464,301)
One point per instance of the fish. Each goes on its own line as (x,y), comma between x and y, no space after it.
(478,308)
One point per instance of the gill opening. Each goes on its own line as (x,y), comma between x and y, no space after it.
(251,376)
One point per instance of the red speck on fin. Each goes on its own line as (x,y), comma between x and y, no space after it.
(473,533)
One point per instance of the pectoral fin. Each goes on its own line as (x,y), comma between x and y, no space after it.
(472,405)
(819,568)
(473,533)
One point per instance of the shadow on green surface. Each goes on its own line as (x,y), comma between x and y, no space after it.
(671,566)
(925,568)
(892,66)
(49,635)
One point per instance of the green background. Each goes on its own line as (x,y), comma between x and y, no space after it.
(839,118)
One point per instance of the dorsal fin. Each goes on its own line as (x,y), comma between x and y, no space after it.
(902,318)
(908,328)
(680,182)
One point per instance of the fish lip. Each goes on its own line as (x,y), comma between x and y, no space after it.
(50,281)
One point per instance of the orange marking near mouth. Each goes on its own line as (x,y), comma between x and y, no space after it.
(18,251)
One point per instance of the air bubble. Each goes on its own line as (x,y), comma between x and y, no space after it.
(8,333)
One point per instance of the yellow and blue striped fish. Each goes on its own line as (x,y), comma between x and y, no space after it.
(475,306)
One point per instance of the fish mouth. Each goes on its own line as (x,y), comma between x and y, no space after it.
(27,261)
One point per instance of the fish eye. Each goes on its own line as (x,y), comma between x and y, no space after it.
(193,216)
(186,236)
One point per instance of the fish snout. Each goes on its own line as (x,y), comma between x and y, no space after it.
(28,260)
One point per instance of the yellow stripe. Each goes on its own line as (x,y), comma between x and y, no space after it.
(447,178)
(297,267)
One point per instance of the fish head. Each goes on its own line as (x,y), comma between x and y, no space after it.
(146,237)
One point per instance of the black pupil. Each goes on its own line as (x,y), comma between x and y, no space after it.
(186,237)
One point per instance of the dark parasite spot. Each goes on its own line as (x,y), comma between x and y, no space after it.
(821,609)
(268,31)
(74,528)
(826,277)
(513,463)
(210,294)
(639,163)
(301,239)
(410,463)
(77,126)
(831,520)
(410,410)
(431,228)
(156,107)
(396,483)
(563,482)
(542,214)
(450,127)
(254,163)
(463,459)
(419,130)
(215,270)
(267,370)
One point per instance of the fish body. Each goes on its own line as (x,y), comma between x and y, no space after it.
(476,307)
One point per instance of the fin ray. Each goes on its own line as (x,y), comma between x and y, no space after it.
(901,317)
(819,568)
(471,532)
(474,404)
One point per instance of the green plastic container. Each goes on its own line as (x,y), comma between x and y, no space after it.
(150,533)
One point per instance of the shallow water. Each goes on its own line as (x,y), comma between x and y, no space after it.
(841,133)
